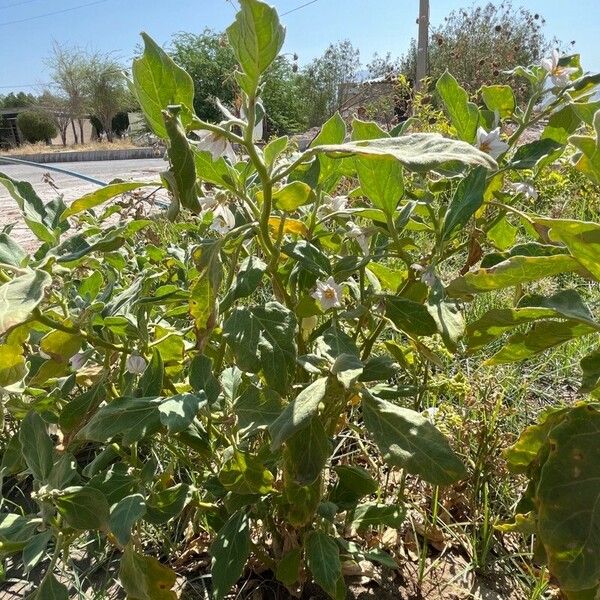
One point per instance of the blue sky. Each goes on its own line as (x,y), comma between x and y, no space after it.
(372,25)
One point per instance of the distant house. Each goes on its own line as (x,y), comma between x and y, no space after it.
(382,95)
(10,136)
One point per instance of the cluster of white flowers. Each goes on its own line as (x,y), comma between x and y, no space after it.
(216,144)
(223,219)
(525,188)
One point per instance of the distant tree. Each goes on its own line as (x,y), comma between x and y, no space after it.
(57,108)
(106,90)
(383,65)
(19,100)
(210,61)
(322,81)
(36,126)
(478,43)
(208,58)
(68,68)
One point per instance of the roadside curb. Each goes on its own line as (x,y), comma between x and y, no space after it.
(90,155)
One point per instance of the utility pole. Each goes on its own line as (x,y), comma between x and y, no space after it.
(423,44)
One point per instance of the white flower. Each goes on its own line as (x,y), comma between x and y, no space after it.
(223,218)
(328,293)
(491,142)
(135,364)
(216,144)
(560,75)
(333,204)
(358,233)
(77,361)
(526,189)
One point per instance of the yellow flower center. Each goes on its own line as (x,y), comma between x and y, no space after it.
(329,294)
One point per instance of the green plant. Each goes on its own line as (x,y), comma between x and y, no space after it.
(36,126)
(252,368)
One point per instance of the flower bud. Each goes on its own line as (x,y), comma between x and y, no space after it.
(136,364)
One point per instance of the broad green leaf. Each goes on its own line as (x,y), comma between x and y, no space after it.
(502,234)
(588,161)
(410,316)
(31,207)
(323,560)
(333,131)
(50,589)
(529,155)
(229,552)
(512,271)
(12,365)
(124,515)
(408,440)
(16,531)
(158,83)
(256,37)
(288,567)
(532,439)
(103,195)
(347,368)
(567,498)
(247,279)
(182,177)
(202,305)
(135,418)
(308,451)
(416,152)
(213,171)
(35,549)
(83,508)
(311,258)
(390,278)
(263,340)
(274,148)
(298,413)
(245,474)
(561,124)
(167,504)
(20,296)
(202,378)
(256,409)
(500,99)
(177,412)
(151,381)
(293,195)
(367,130)
(566,304)
(465,202)
(353,484)
(590,367)
(542,336)
(582,238)
(145,578)
(381,180)
(11,253)
(61,345)
(462,113)
(78,410)
(373,515)
(334,342)
(37,446)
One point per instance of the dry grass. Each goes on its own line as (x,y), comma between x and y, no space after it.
(41,147)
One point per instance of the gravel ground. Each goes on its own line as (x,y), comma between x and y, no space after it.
(71,187)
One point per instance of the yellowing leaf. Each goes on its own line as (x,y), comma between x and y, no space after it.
(292,226)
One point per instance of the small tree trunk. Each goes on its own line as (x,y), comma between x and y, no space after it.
(81,130)
(63,134)
(74,131)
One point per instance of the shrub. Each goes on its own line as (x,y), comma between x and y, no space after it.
(36,126)
(248,372)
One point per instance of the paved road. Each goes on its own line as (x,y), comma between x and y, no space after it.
(71,187)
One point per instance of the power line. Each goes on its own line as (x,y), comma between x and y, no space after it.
(17,4)
(56,12)
(298,8)
(23,85)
